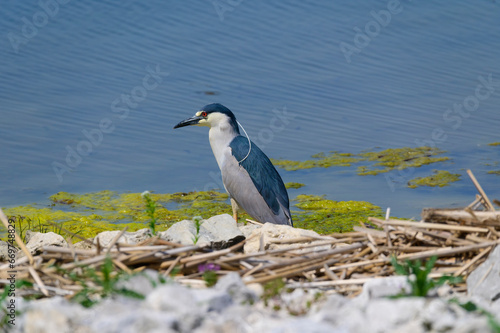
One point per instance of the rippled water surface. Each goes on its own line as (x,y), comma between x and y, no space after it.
(278,65)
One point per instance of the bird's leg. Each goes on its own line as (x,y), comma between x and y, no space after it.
(234,205)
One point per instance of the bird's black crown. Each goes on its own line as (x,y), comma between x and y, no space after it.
(217,107)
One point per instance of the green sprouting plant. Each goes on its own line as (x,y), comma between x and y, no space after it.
(472,307)
(209,274)
(36,224)
(197,223)
(174,271)
(418,276)
(150,210)
(100,283)
(29,225)
(160,279)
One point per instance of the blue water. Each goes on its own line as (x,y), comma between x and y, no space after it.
(87,68)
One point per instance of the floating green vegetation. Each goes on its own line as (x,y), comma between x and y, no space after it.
(375,162)
(294,185)
(327,216)
(494,172)
(400,158)
(494,144)
(319,161)
(439,178)
(91,213)
(84,224)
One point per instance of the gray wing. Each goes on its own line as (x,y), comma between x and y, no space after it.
(255,184)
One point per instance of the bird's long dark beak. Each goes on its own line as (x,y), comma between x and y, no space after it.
(190,121)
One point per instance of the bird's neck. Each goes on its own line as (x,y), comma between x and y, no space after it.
(220,137)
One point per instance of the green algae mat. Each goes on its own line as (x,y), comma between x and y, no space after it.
(383,161)
(91,213)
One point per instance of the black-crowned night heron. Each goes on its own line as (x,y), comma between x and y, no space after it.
(248,175)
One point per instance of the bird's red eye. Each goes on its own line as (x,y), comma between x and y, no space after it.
(203,114)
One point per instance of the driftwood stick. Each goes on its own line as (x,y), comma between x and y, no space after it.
(341,282)
(445,252)
(205,256)
(310,258)
(387,228)
(171,267)
(179,250)
(448,237)
(494,232)
(254,222)
(472,262)
(490,218)
(288,272)
(304,239)
(122,266)
(39,281)
(371,232)
(85,262)
(425,225)
(476,201)
(489,205)
(114,240)
(252,270)
(65,250)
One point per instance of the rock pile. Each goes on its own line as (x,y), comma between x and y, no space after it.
(235,304)
(231,306)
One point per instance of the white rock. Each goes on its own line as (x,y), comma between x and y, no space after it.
(383,287)
(233,285)
(107,237)
(84,245)
(36,322)
(143,282)
(248,229)
(407,314)
(219,232)
(171,297)
(441,315)
(298,302)
(234,319)
(384,315)
(174,308)
(182,232)
(178,300)
(51,315)
(256,288)
(484,281)
(37,240)
(211,299)
(4,250)
(269,233)
(128,316)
